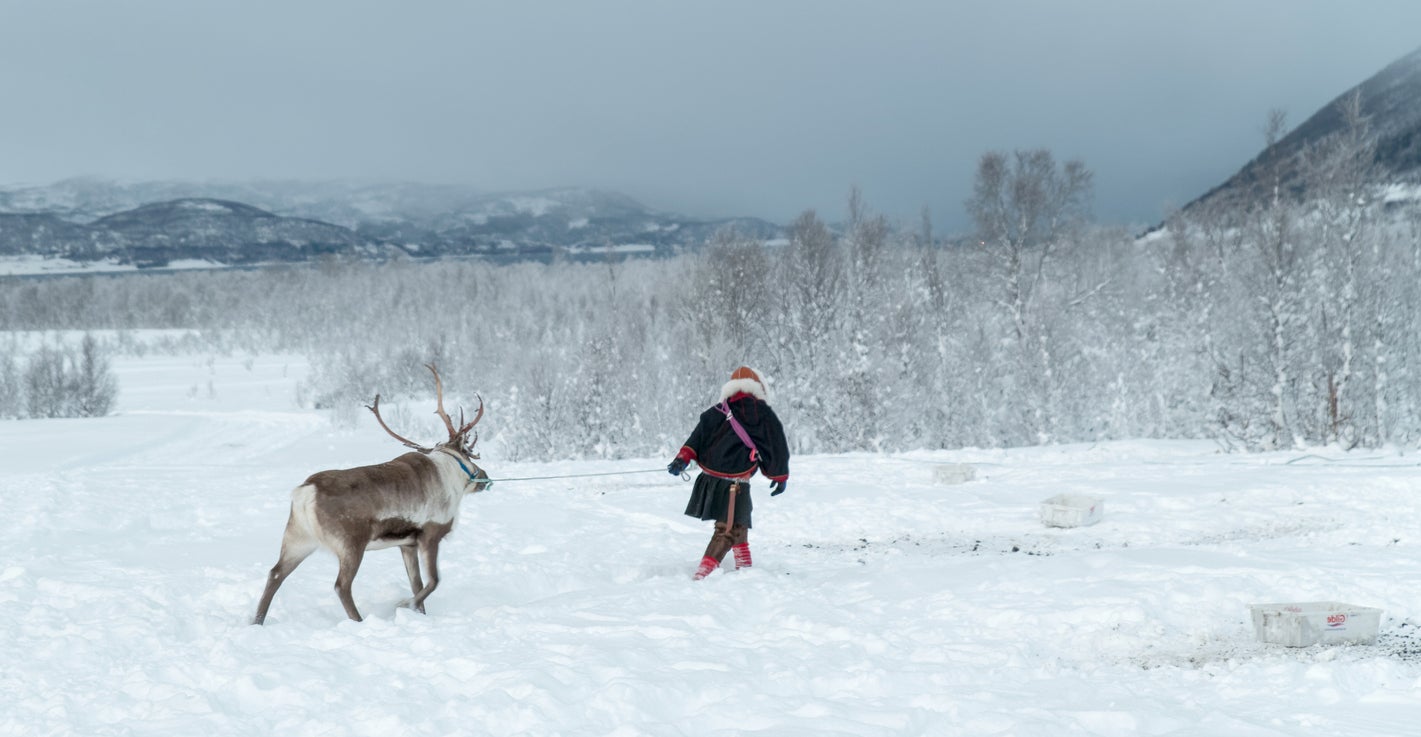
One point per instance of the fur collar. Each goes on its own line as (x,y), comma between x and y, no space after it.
(744,386)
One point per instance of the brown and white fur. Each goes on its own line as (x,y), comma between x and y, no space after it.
(411,502)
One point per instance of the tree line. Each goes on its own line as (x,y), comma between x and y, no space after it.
(1284,319)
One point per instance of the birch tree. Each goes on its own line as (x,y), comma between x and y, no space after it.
(1023,206)
(1270,228)
(1339,190)
(864,384)
(810,290)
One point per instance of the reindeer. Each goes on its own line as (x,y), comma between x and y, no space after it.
(410,502)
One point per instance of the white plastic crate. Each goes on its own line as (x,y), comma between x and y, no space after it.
(953,473)
(1304,623)
(1072,510)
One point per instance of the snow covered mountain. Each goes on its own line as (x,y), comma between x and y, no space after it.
(1391,103)
(153,223)
(194,229)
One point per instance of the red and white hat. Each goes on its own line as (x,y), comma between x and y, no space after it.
(745,380)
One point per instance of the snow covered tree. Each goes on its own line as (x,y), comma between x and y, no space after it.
(1342,203)
(1272,291)
(863,385)
(726,312)
(44,383)
(1024,207)
(91,384)
(11,389)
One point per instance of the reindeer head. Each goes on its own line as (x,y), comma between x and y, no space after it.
(460,441)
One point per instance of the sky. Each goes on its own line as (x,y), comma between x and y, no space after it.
(737,107)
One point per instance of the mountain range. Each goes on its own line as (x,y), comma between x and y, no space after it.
(155,224)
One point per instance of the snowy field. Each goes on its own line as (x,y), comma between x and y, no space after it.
(882,602)
(30,265)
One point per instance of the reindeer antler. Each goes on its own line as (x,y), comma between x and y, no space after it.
(454,434)
(478,416)
(408,443)
(439,401)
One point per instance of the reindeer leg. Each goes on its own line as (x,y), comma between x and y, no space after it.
(429,545)
(349,558)
(296,546)
(411,556)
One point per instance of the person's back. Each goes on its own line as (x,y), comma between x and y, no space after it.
(731,441)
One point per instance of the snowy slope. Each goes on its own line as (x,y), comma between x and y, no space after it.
(881,603)
(1390,102)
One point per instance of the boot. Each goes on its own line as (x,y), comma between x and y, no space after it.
(742,555)
(708,566)
(722,541)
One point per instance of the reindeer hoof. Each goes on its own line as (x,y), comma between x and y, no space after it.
(409,604)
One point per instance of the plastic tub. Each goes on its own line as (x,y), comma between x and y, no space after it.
(1304,623)
(1072,510)
(954,473)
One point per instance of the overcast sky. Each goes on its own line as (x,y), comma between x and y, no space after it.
(725,107)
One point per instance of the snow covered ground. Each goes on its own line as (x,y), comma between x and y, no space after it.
(31,265)
(882,602)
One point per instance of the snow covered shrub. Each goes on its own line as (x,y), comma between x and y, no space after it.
(10,396)
(91,383)
(44,383)
(346,381)
(61,382)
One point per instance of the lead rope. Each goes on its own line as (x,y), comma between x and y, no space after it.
(490,482)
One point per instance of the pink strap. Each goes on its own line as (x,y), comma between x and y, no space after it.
(739,430)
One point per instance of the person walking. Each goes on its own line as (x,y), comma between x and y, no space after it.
(732,440)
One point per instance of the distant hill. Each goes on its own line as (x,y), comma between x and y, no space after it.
(194,229)
(1390,100)
(154,223)
(227,232)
